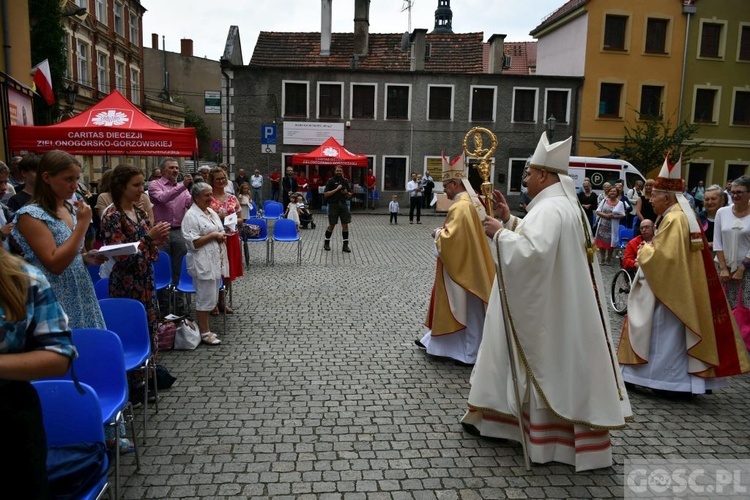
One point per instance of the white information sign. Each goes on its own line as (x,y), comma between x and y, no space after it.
(212,102)
(312,133)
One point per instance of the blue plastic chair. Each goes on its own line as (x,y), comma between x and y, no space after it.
(267,202)
(626,234)
(71,418)
(101,364)
(273,211)
(253,212)
(285,231)
(101,288)
(262,237)
(185,285)
(127,318)
(93,270)
(163,276)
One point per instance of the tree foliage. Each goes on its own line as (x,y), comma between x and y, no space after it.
(47,42)
(647,143)
(193,119)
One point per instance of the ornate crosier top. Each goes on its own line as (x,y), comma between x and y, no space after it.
(483,155)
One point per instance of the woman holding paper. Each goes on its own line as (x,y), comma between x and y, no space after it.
(51,232)
(204,237)
(230,212)
(125,221)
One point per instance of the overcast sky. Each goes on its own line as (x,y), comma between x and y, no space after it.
(207,22)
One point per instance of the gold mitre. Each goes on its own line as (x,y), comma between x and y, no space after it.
(552,157)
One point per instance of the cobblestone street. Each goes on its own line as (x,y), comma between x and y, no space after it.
(318,392)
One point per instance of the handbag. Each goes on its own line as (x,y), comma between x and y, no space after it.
(742,316)
(248,231)
(187,336)
(165,335)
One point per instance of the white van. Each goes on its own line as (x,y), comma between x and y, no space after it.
(601,170)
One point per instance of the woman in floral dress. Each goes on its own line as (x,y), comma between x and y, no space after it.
(125,221)
(225,204)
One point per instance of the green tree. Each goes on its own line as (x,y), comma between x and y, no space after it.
(47,42)
(192,119)
(647,143)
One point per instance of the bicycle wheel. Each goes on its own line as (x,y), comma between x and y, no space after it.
(620,291)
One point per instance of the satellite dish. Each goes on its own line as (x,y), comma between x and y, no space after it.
(405,41)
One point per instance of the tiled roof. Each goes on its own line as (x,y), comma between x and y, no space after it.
(449,53)
(557,14)
(522,57)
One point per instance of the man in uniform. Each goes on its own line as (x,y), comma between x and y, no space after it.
(463,274)
(336,194)
(546,319)
(680,335)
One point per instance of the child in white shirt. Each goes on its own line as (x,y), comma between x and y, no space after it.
(393,209)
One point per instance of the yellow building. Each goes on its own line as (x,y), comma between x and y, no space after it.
(630,55)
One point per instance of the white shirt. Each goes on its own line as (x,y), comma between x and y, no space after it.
(732,236)
(209,261)
(256,181)
(414,188)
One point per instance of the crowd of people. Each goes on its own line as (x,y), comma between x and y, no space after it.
(519,299)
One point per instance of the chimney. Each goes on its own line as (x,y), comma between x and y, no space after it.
(497,54)
(325,27)
(361,27)
(418,49)
(154,41)
(186,47)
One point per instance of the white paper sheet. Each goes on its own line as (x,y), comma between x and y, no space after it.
(120,249)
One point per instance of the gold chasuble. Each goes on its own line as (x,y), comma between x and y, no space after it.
(464,257)
(685,281)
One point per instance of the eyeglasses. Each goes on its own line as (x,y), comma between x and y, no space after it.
(220,179)
(737,193)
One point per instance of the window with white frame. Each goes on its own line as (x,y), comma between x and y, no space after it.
(706,105)
(102,72)
(397,101)
(120,76)
(68,55)
(656,35)
(134,33)
(712,39)
(440,102)
(119,19)
(330,99)
(82,51)
(294,98)
(516,167)
(135,86)
(524,105)
(741,107)
(364,100)
(101,11)
(394,173)
(483,103)
(558,105)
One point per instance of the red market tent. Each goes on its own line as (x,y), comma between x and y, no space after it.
(330,153)
(113,126)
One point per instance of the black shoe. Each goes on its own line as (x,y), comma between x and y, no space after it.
(312,225)
(346,248)
(471,429)
(327,245)
(419,344)
(461,363)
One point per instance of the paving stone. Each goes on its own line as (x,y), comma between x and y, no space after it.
(329,398)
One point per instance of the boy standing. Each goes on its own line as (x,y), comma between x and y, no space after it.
(393,209)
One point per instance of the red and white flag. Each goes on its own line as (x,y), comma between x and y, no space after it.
(43,81)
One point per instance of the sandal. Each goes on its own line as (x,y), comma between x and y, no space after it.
(210,338)
(215,311)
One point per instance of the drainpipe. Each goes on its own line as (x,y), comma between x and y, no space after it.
(6,36)
(224,64)
(688,9)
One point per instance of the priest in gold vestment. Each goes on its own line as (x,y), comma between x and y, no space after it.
(463,273)
(680,335)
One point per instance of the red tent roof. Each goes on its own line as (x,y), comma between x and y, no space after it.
(113,126)
(330,153)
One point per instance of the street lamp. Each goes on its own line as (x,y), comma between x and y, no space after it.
(551,124)
(71,92)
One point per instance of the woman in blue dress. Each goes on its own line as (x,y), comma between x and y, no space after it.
(51,230)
